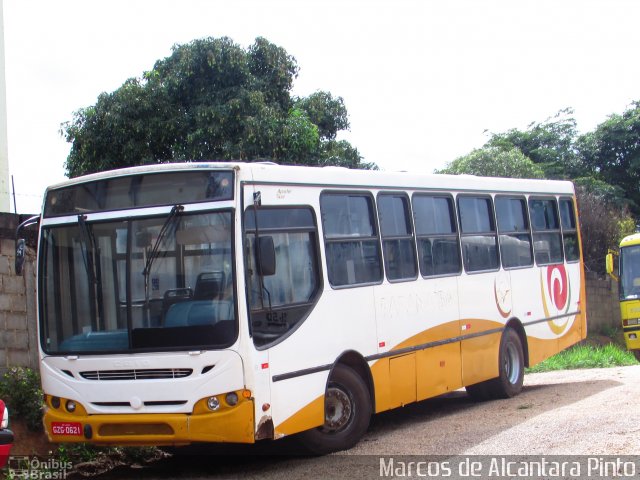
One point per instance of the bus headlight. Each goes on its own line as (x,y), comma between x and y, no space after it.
(71,406)
(213,403)
(232,399)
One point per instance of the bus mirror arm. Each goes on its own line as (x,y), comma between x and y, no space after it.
(21,243)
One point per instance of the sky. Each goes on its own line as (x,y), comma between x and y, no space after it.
(423,81)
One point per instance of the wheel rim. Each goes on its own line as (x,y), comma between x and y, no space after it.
(338,409)
(512,365)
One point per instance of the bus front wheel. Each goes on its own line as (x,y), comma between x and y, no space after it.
(347,406)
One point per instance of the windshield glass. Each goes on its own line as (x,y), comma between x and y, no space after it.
(157,283)
(630,272)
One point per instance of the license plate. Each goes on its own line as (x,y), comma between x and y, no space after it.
(66,428)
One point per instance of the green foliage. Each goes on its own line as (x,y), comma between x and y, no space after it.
(626,226)
(612,195)
(90,460)
(328,113)
(495,162)
(586,356)
(603,224)
(210,100)
(549,144)
(75,453)
(613,152)
(20,390)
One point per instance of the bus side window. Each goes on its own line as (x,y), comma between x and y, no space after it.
(351,239)
(437,235)
(515,234)
(398,245)
(569,230)
(547,239)
(478,231)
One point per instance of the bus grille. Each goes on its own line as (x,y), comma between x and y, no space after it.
(145,374)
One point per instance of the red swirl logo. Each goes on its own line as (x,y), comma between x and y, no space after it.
(558,286)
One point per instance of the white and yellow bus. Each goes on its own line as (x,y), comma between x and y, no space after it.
(230,302)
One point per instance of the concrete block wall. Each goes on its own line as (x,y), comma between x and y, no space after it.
(18,337)
(603,307)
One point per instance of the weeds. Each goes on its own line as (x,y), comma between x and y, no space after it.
(20,390)
(587,356)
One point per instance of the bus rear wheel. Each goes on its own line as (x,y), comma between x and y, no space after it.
(511,371)
(347,411)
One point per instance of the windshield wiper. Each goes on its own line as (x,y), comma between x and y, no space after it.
(169,224)
(88,250)
(88,243)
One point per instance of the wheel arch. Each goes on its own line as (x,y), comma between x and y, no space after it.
(515,324)
(356,362)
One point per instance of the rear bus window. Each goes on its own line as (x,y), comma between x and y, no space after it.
(569,230)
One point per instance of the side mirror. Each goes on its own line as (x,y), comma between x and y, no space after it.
(20,254)
(266,256)
(609,265)
(21,243)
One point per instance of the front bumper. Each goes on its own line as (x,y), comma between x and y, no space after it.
(234,425)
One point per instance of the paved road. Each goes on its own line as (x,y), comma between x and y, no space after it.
(580,412)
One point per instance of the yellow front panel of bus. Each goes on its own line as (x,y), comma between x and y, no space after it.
(630,313)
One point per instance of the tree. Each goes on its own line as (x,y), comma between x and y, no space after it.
(555,147)
(602,226)
(211,100)
(494,162)
(549,144)
(612,152)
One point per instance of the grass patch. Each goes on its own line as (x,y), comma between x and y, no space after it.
(587,356)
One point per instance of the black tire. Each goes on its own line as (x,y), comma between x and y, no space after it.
(511,371)
(347,414)
(636,353)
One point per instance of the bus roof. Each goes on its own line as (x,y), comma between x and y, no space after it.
(268,172)
(630,240)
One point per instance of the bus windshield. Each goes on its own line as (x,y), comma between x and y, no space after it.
(138,284)
(630,272)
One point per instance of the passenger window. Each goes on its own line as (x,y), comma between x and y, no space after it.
(351,241)
(478,234)
(398,245)
(515,235)
(280,301)
(569,230)
(547,239)
(437,235)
